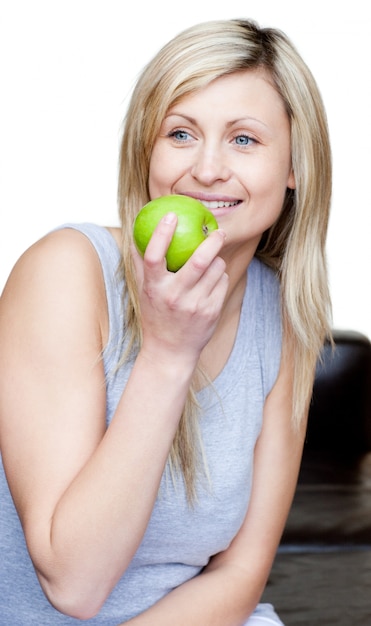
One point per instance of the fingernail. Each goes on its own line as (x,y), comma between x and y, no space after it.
(169,218)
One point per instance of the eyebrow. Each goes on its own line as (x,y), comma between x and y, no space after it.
(192,120)
(246,119)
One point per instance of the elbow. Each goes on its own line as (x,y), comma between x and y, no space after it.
(72,601)
(75,590)
(72,586)
(75,607)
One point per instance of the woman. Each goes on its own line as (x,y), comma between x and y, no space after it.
(152,423)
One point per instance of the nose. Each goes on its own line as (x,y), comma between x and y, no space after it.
(210,166)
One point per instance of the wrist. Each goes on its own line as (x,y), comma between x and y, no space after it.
(175,364)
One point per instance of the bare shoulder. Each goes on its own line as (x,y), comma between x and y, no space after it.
(62,250)
(52,320)
(60,276)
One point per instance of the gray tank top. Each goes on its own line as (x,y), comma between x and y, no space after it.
(179,539)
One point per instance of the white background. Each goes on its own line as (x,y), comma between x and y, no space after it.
(67,69)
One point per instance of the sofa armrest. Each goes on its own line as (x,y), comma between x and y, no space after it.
(332,503)
(340,411)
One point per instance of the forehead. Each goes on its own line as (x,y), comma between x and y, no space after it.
(235,95)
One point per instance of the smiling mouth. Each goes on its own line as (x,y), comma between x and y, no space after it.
(218,204)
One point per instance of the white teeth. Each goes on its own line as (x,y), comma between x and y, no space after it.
(217,204)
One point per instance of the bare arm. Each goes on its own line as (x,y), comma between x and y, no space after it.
(76,484)
(230,587)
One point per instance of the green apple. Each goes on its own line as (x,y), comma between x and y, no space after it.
(195,222)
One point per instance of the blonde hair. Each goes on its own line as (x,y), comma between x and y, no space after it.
(295,245)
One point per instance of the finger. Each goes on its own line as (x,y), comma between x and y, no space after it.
(202,257)
(215,299)
(154,256)
(213,277)
(207,251)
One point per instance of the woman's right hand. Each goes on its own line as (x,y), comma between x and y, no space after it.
(179,311)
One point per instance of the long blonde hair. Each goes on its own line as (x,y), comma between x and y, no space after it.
(295,245)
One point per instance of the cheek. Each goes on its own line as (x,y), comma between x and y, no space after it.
(152,183)
(278,178)
(275,197)
(267,194)
(158,185)
(161,174)
(153,174)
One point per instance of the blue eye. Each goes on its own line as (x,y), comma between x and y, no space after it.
(243,140)
(180,135)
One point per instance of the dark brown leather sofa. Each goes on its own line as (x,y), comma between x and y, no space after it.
(322,572)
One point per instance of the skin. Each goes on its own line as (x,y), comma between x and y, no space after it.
(214,146)
(59,457)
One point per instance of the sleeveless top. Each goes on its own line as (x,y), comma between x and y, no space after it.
(179,539)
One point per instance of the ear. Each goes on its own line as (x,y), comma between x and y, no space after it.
(291,180)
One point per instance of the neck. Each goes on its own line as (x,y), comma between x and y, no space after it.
(216,353)
(237,261)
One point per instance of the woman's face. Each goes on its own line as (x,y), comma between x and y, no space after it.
(228,145)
